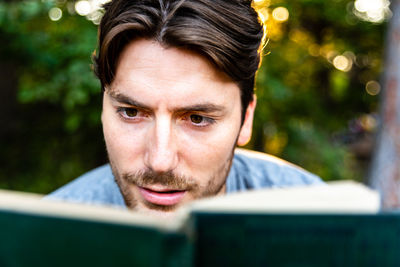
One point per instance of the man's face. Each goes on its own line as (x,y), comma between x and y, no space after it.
(171,122)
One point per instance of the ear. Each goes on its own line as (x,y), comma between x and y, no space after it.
(247,127)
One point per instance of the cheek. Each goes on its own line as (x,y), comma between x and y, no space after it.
(123,144)
(209,150)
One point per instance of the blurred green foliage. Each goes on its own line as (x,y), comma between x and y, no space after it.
(57,135)
(51,116)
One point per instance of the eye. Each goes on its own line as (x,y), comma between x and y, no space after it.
(127,113)
(196,119)
(200,121)
(130,112)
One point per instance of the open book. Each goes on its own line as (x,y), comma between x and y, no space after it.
(254,227)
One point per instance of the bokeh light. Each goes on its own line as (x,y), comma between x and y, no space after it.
(372,10)
(55,14)
(373,88)
(280,14)
(272,19)
(342,63)
(83,8)
(263,14)
(91,9)
(368,122)
(257,4)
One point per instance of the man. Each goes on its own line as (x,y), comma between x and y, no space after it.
(178,78)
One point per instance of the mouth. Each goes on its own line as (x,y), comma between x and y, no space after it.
(162,196)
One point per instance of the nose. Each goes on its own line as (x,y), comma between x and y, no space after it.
(161,153)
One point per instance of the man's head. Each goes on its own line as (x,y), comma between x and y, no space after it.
(178,80)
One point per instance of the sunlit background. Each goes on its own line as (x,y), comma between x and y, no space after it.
(318,88)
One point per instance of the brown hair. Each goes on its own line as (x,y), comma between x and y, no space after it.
(227,32)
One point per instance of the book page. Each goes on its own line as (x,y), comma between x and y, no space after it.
(29,203)
(334,197)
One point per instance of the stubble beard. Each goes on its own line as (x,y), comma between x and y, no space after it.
(147,177)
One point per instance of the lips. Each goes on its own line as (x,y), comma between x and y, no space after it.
(163,197)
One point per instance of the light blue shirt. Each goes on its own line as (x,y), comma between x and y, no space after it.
(250,170)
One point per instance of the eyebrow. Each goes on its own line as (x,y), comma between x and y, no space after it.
(124,99)
(202,107)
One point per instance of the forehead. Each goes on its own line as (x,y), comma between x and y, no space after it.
(142,53)
(148,70)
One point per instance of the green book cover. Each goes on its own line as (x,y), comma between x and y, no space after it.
(297,239)
(34,232)
(278,227)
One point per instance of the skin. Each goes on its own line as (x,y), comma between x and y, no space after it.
(171,122)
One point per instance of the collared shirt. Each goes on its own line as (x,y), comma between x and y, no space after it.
(250,170)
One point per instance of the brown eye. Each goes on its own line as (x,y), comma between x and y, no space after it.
(196,119)
(131,112)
